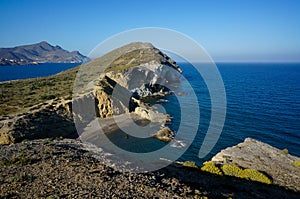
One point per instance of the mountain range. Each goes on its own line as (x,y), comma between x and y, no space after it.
(41,52)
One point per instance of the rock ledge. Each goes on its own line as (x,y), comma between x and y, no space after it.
(279,165)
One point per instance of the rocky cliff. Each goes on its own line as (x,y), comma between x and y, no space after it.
(129,75)
(117,83)
(38,53)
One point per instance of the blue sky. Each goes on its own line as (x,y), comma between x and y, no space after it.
(229,30)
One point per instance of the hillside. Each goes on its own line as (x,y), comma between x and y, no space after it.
(41,52)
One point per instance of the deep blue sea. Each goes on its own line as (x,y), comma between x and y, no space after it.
(30,71)
(263,102)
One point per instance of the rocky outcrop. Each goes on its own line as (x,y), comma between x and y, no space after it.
(283,168)
(50,119)
(130,74)
(38,53)
(164,134)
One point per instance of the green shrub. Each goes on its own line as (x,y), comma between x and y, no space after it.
(296,164)
(211,168)
(190,164)
(250,174)
(233,170)
(285,151)
(255,175)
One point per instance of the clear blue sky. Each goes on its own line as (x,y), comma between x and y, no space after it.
(229,30)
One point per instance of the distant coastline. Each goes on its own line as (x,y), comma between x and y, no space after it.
(14,62)
(38,53)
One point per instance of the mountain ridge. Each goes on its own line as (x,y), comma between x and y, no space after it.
(41,52)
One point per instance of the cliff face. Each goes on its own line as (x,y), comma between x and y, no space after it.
(137,74)
(129,75)
(38,53)
(115,84)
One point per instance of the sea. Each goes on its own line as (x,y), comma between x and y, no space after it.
(31,71)
(263,102)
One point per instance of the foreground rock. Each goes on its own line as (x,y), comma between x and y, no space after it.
(66,169)
(283,168)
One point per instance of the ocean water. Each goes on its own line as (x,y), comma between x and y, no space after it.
(31,71)
(263,102)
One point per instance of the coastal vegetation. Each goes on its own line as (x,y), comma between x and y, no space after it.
(190,164)
(285,151)
(211,168)
(230,170)
(296,163)
(17,96)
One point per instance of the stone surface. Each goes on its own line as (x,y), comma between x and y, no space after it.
(263,157)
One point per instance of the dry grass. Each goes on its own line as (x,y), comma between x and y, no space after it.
(18,95)
(133,58)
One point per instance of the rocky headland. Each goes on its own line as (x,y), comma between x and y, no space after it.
(124,79)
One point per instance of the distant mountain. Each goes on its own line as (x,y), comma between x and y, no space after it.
(38,53)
